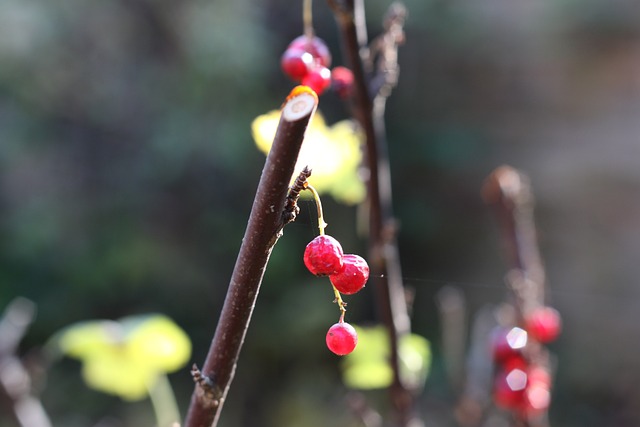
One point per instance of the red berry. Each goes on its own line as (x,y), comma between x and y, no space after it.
(509,388)
(544,324)
(538,392)
(342,338)
(295,63)
(323,256)
(315,46)
(318,78)
(353,275)
(508,343)
(342,81)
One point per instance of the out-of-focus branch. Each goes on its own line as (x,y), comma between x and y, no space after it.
(270,212)
(474,399)
(508,192)
(359,406)
(368,109)
(452,310)
(15,380)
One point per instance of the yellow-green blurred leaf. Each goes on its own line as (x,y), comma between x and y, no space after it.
(414,353)
(368,366)
(125,357)
(161,343)
(112,372)
(332,152)
(368,376)
(85,339)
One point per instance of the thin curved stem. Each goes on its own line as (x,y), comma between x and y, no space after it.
(341,304)
(307,19)
(163,401)
(321,224)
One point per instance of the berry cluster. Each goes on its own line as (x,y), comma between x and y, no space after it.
(307,60)
(348,273)
(522,382)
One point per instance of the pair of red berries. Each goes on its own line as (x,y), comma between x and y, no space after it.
(323,256)
(348,274)
(307,60)
(519,385)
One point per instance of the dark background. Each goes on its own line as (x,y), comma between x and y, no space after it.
(127,172)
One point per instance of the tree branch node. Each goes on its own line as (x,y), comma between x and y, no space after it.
(209,393)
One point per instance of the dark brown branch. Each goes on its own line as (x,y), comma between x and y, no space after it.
(263,230)
(385,266)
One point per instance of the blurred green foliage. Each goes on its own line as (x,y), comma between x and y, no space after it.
(127,172)
(124,357)
(368,367)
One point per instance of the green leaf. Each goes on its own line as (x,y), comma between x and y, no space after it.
(414,353)
(368,366)
(125,357)
(332,152)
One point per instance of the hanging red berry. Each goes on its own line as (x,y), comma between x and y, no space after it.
(307,56)
(342,81)
(342,338)
(318,78)
(353,275)
(507,343)
(323,256)
(544,324)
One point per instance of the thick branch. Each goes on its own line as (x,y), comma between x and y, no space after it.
(263,230)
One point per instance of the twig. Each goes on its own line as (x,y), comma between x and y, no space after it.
(474,399)
(452,310)
(385,265)
(263,230)
(508,192)
(367,415)
(15,381)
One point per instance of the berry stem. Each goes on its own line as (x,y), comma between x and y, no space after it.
(321,224)
(307,19)
(341,304)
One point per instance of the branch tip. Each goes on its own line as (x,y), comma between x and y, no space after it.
(301,102)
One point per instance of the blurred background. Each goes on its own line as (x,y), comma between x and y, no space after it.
(127,172)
